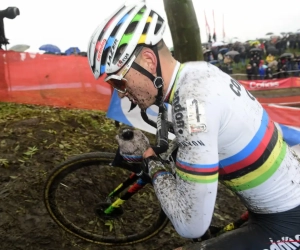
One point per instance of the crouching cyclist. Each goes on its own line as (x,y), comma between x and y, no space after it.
(222,131)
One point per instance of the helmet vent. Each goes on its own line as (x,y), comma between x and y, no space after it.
(159,24)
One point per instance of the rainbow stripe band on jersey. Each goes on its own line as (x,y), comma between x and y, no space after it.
(252,151)
(255,159)
(197,172)
(271,163)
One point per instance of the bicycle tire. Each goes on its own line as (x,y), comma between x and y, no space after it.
(71,165)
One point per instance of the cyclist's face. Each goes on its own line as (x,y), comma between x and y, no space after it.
(140,88)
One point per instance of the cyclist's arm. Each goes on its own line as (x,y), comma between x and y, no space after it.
(189,199)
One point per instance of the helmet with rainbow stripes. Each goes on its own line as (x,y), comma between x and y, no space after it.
(115,40)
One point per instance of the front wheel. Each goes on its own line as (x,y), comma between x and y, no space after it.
(77,190)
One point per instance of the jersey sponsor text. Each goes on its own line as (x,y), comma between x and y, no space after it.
(178,109)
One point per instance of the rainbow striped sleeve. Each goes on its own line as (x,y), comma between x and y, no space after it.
(254,164)
(197,173)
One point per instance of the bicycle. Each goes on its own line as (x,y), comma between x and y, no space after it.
(110,213)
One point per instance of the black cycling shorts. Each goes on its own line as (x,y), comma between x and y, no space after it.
(280,231)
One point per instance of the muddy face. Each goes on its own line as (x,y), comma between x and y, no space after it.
(140,89)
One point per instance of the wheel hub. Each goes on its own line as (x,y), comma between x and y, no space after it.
(114,212)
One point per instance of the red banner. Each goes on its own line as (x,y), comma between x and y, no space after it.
(283,115)
(296,82)
(64,81)
(292,82)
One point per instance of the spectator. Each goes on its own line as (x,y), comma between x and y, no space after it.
(254,65)
(295,65)
(282,69)
(295,68)
(211,57)
(273,65)
(270,58)
(261,70)
(258,57)
(262,47)
(272,48)
(268,74)
(206,55)
(292,40)
(227,66)
(220,58)
(249,71)
(243,55)
(289,64)
(284,42)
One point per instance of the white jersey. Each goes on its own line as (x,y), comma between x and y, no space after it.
(223,134)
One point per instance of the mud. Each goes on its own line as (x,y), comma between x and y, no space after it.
(33,140)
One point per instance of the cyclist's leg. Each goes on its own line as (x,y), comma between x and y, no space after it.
(264,231)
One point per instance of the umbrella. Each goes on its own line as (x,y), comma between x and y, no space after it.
(286,55)
(232,53)
(19,47)
(50,48)
(206,51)
(255,49)
(72,50)
(269,33)
(217,44)
(272,50)
(223,51)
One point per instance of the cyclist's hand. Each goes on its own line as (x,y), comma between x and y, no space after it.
(132,144)
(153,165)
(149,152)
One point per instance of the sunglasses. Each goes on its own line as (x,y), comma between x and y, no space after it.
(118,82)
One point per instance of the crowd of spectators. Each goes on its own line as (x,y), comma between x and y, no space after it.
(260,59)
(283,66)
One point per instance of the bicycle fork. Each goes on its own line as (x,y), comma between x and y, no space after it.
(138,184)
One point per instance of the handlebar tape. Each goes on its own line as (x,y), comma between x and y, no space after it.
(162,131)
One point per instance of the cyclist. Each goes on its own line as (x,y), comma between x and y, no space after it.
(222,131)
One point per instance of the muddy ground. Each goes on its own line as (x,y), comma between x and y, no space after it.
(33,140)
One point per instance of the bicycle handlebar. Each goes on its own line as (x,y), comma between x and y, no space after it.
(163,126)
(154,124)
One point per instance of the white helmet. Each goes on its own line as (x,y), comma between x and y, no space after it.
(115,40)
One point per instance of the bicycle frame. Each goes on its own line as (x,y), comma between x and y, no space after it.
(130,192)
(137,179)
